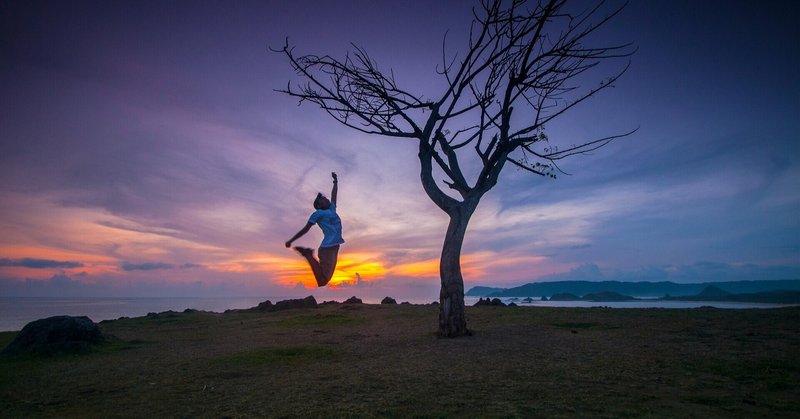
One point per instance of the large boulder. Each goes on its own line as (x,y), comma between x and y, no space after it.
(489,302)
(388,300)
(308,302)
(54,335)
(353,300)
(267,306)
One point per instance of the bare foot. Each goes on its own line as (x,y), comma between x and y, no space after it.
(305,251)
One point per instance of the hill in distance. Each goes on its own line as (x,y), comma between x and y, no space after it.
(638,289)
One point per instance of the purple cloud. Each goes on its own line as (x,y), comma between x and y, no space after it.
(39,263)
(146,266)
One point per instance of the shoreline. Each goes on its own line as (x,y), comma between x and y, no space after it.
(16,312)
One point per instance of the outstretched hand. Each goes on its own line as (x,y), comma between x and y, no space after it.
(335,178)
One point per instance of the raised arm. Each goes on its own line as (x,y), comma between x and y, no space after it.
(335,187)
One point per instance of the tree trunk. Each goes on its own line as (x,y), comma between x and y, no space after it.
(452,321)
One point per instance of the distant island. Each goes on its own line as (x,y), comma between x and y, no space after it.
(773,292)
(605,296)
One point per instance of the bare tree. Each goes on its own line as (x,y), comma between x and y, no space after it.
(521,71)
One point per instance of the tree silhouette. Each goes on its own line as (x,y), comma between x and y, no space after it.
(521,71)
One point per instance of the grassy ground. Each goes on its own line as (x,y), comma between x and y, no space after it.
(374,360)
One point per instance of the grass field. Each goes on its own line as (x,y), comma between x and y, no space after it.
(385,360)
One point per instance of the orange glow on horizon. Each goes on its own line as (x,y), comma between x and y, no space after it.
(472,265)
(422,269)
(290,271)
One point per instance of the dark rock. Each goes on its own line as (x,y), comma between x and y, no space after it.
(53,335)
(528,300)
(435,303)
(265,306)
(512,304)
(489,302)
(308,302)
(388,300)
(405,303)
(168,313)
(497,302)
(353,300)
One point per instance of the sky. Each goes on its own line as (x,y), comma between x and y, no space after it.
(145,151)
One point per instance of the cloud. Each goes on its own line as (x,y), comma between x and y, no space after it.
(146,266)
(38,263)
(154,266)
(59,285)
(146,284)
(63,281)
(144,158)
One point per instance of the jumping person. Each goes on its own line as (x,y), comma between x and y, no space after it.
(325,216)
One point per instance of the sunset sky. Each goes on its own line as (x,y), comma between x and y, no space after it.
(144,151)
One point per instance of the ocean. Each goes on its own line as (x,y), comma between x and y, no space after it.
(16,312)
(640,303)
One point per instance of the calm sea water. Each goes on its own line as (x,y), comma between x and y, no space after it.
(15,313)
(642,303)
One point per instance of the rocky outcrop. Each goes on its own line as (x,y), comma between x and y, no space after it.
(353,300)
(291,304)
(264,306)
(489,302)
(308,302)
(388,300)
(54,335)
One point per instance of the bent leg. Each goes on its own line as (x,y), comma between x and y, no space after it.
(315,265)
(328,256)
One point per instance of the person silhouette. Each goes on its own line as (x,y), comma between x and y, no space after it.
(328,220)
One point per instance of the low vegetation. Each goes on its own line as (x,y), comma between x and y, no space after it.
(385,360)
